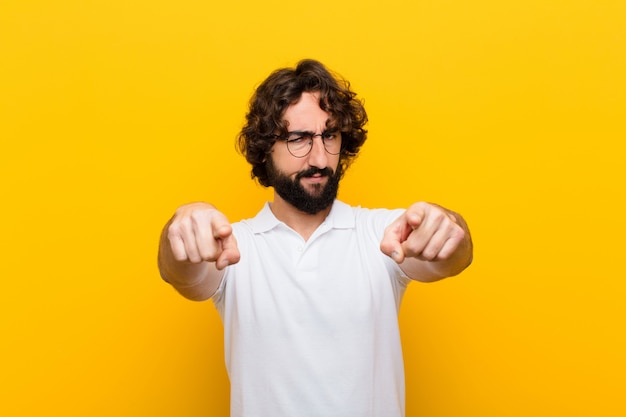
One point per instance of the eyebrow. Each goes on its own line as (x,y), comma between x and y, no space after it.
(308,132)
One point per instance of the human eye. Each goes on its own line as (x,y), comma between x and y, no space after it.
(330,136)
(297,138)
(299,141)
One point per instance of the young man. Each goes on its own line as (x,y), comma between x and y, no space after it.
(309,289)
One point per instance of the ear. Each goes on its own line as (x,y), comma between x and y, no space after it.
(267,155)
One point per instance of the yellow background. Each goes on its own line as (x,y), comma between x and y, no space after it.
(114,112)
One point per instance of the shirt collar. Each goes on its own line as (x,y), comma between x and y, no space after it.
(340,217)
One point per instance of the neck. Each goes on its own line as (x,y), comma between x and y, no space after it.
(303,223)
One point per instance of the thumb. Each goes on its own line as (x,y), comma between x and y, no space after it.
(230,252)
(395,234)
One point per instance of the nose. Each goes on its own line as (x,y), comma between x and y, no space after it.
(318,157)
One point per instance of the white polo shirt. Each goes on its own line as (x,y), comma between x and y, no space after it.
(310,327)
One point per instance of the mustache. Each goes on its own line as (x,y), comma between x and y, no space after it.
(324,172)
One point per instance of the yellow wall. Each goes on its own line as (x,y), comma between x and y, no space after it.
(114,112)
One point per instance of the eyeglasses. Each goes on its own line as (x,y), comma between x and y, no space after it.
(299,144)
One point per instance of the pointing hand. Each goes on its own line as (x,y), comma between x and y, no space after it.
(424,231)
(199,232)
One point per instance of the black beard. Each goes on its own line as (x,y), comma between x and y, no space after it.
(294,193)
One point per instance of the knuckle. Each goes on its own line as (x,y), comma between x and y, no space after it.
(209,254)
(439,216)
(430,252)
(174,228)
(197,217)
(182,223)
(179,255)
(195,259)
(429,255)
(457,233)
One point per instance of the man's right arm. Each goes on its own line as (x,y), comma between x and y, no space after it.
(195,247)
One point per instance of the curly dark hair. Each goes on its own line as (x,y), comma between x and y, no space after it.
(264,121)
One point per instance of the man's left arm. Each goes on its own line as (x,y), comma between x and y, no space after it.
(429,242)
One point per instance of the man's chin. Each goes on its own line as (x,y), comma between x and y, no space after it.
(310,193)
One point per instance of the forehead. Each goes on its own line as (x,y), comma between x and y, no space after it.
(306,114)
